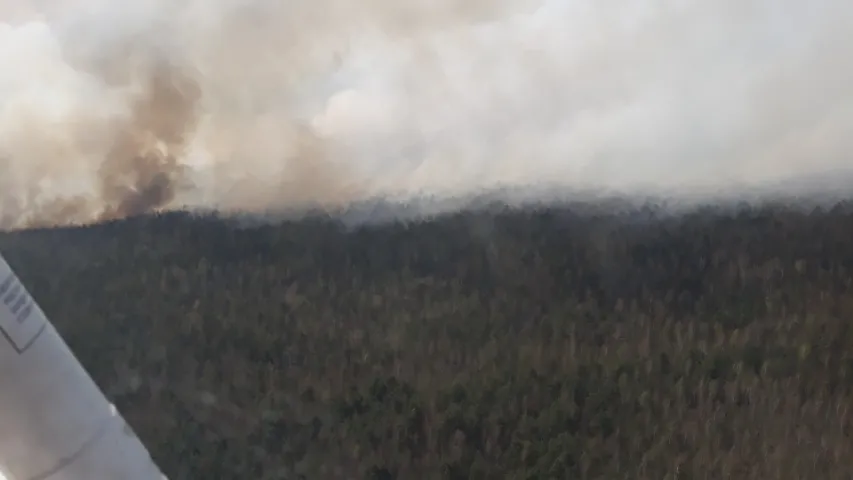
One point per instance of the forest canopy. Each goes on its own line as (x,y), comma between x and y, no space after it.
(563,341)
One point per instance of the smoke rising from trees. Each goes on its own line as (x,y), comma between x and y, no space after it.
(115,108)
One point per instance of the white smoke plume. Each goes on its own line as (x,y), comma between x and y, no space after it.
(113,108)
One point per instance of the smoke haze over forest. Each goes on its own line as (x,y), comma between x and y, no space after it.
(115,108)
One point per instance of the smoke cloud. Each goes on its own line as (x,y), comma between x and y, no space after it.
(109,109)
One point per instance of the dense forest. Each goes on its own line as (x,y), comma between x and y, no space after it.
(568,341)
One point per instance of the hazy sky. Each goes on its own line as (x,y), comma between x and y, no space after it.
(278,102)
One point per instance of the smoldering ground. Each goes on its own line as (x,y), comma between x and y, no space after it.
(114,108)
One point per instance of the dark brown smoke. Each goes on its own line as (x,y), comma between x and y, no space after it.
(142,171)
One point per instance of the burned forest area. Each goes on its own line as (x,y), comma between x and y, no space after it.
(563,341)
